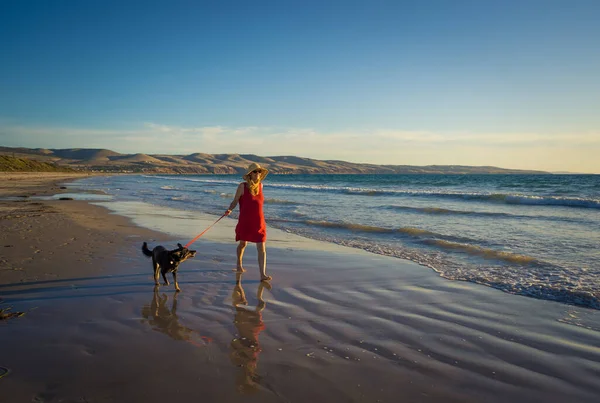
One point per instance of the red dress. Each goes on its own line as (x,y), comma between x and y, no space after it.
(251,226)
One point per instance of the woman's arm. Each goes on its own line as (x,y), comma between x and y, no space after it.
(239,192)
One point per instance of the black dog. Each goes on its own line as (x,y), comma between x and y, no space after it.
(167,261)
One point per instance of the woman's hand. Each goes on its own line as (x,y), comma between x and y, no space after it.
(227,212)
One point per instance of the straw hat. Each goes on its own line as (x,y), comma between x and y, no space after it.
(253,167)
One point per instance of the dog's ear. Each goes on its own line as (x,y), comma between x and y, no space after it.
(180,246)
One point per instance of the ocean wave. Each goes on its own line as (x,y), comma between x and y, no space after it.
(279,201)
(561,201)
(194,179)
(347,226)
(444,211)
(482,214)
(505,198)
(413,232)
(487,253)
(522,276)
(540,200)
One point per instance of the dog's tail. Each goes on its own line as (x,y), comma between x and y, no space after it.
(146,251)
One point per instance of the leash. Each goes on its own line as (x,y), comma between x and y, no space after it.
(202,233)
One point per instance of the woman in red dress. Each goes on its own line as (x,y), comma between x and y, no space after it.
(251,226)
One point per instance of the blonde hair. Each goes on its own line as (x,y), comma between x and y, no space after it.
(253,186)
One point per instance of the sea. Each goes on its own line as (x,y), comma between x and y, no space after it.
(532,235)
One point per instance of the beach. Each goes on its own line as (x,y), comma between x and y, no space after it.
(335,324)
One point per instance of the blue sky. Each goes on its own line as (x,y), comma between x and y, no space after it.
(509,83)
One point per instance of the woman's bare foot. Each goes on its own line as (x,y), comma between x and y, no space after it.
(266,278)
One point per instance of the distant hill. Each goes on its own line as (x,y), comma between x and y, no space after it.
(136,158)
(84,154)
(101,160)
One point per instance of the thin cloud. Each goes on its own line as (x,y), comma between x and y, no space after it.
(375,146)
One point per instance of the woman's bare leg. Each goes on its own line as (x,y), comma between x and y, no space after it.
(240,254)
(261,247)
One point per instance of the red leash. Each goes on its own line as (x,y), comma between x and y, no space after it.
(202,233)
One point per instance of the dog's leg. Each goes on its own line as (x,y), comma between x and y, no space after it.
(174,305)
(156,269)
(155,302)
(175,281)
(164,275)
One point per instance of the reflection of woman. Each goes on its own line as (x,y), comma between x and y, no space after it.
(251,226)
(246,347)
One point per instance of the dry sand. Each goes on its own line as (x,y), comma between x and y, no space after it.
(336,324)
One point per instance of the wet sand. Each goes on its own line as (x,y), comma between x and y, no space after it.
(335,324)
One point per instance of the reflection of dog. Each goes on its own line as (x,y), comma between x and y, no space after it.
(163,319)
(158,315)
(167,261)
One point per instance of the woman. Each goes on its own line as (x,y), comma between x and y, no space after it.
(251,226)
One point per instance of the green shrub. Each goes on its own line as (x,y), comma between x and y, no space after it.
(13,164)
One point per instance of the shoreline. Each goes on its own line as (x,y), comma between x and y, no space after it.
(38,232)
(337,324)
